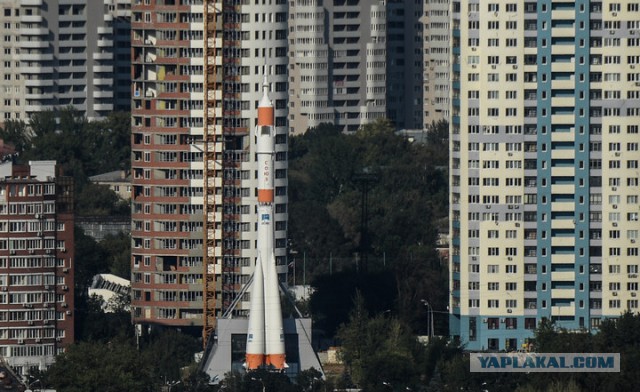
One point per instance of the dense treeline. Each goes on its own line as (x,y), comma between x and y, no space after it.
(82,148)
(364,212)
(382,354)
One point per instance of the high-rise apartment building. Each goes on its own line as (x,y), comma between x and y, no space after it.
(57,53)
(36,270)
(351,62)
(437,50)
(544,166)
(197,75)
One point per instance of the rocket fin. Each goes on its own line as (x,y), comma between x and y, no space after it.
(255,332)
(274,331)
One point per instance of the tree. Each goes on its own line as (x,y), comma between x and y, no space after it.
(95,199)
(15,132)
(113,367)
(118,250)
(90,260)
(379,348)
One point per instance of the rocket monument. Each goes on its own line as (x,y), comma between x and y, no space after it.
(265,335)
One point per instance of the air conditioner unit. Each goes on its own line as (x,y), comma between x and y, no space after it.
(510,258)
(20,341)
(632,32)
(484,320)
(37,216)
(633,241)
(46,287)
(13,252)
(614,14)
(48,251)
(65,270)
(503,321)
(632,66)
(38,340)
(45,321)
(64,305)
(615,293)
(474,49)
(5,288)
(510,207)
(509,310)
(637,83)
(633,294)
(617,154)
(58,339)
(614,206)
(615,224)
(612,32)
(64,250)
(515,67)
(517,224)
(487,207)
(68,313)
(474,258)
(613,188)
(30,322)
(474,66)
(494,66)
(65,287)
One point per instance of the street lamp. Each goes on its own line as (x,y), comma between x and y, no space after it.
(261,382)
(33,383)
(172,384)
(429,317)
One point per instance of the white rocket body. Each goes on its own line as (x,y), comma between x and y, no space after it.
(265,336)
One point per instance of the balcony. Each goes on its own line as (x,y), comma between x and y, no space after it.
(33,31)
(31,3)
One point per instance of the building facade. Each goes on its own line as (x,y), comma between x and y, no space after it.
(354,61)
(437,52)
(36,265)
(194,166)
(58,53)
(544,167)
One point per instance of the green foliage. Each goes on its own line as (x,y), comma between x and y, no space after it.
(118,252)
(169,350)
(94,366)
(94,325)
(80,147)
(99,200)
(406,191)
(328,306)
(15,132)
(379,349)
(616,335)
(90,260)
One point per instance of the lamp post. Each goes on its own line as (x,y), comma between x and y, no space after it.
(33,383)
(171,384)
(429,317)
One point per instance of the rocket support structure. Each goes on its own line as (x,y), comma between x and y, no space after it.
(265,335)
